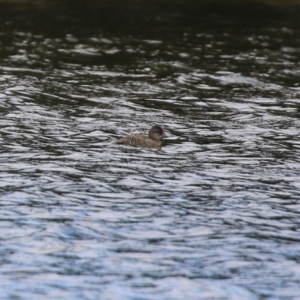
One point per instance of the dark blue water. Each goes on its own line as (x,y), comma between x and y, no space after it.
(214,215)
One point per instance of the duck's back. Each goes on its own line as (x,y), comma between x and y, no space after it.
(138,140)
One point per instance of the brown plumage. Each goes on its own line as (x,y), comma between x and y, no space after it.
(152,141)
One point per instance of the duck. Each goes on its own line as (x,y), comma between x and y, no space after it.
(152,141)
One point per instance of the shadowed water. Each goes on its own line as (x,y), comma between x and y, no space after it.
(214,215)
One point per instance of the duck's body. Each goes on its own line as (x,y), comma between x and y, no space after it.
(152,141)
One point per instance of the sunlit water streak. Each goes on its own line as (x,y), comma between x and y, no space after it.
(214,215)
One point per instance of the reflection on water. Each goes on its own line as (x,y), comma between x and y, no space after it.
(215,215)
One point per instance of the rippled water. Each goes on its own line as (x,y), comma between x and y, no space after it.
(215,215)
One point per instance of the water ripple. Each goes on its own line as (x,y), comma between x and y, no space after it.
(213,215)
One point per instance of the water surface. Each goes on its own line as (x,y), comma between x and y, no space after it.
(215,215)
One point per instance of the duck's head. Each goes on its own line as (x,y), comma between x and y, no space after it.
(156,133)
